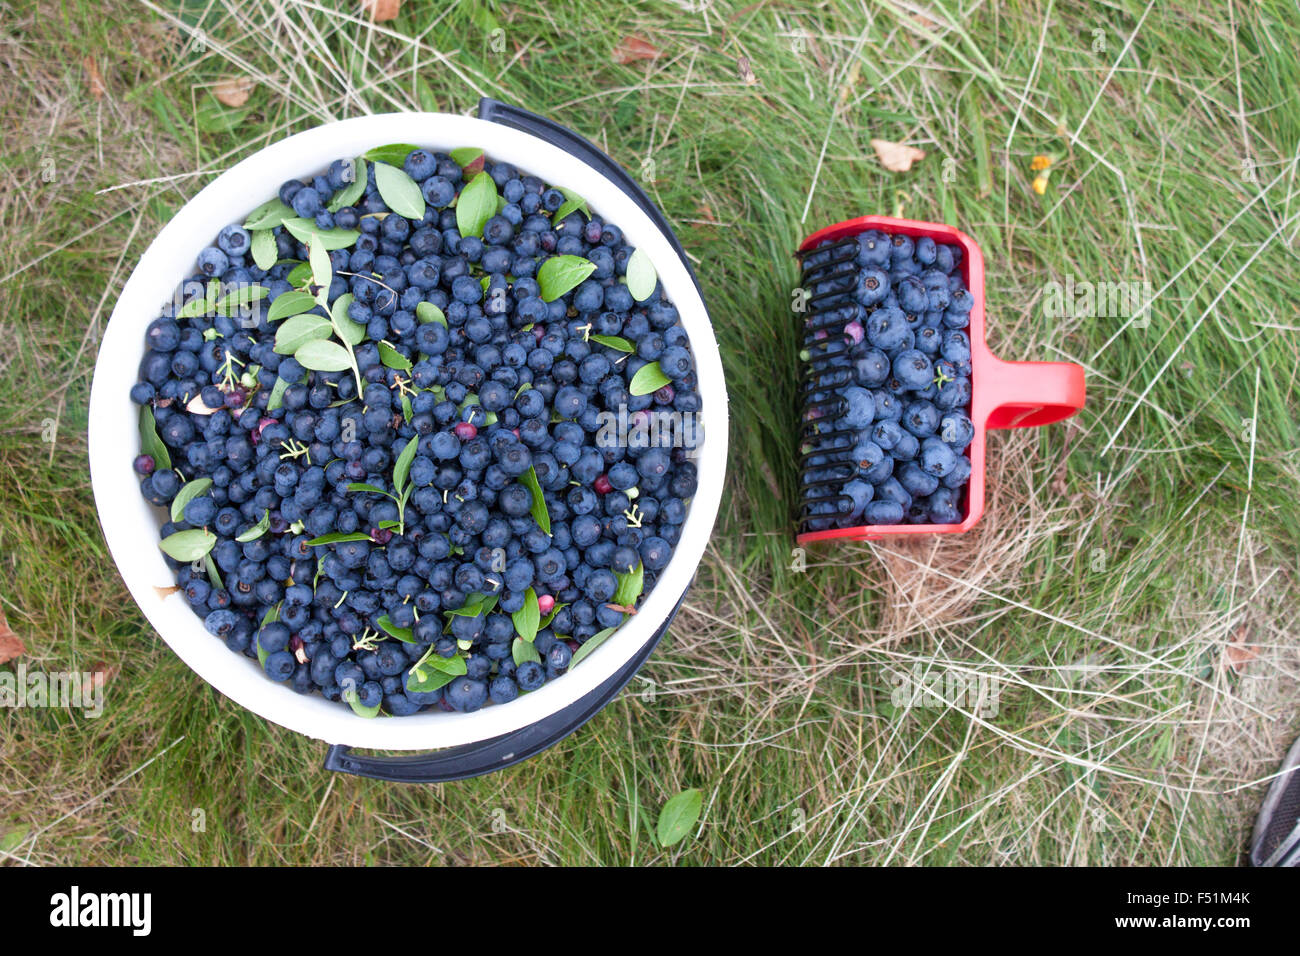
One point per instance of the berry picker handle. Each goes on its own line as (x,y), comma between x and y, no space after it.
(1023,394)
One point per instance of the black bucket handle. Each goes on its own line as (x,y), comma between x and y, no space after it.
(472,760)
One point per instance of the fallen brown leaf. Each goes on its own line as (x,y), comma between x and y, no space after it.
(746,71)
(234,92)
(633,48)
(896,157)
(381,10)
(167,591)
(93,79)
(1237,653)
(101,673)
(11,644)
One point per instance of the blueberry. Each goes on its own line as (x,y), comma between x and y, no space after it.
(530,676)
(937,458)
(884,512)
(465,694)
(280,666)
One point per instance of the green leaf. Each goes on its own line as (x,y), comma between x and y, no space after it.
(428,312)
(290,303)
(321,355)
(322,270)
(528,617)
(214,575)
(189,491)
(354,190)
(354,701)
(150,443)
(433,679)
(546,621)
(465,155)
(403,466)
(630,585)
(348,331)
(394,153)
(335,537)
(257,530)
(678,817)
(276,398)
(403,634)
(188,545)
(475,604)
(572,203)
(268,215)
(641,275)
(393,358)
(299,275)
(14,838)
(362,486)
(264,248)
(648,378)
(389,524)
(476,205)
(614,342)
(297,331)
(424,96)
(407,411)
(593,642)
(399,191)
(560,274)
(304,230)
(523,651)
(529,480)
(197,306)
(240,298)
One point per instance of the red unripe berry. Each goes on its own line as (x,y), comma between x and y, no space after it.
(602,485)
(545,603)
(465,430)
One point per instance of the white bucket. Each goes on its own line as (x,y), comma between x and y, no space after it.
(131,525)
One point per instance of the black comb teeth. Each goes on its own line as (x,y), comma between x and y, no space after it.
(825,462)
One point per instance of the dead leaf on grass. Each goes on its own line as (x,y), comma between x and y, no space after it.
(235,91)
(11,644)
(381,10)
(746,71)
(632,48)
(93,80)
(896,157)
(1237,653)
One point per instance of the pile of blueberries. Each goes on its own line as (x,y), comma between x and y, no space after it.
(503,394)
(887,410)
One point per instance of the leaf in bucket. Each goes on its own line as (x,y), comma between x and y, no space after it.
(334,537)
(630,585)
(615,342)
(297,331)
(305,230)
(290,303)
(466,156)
(399,191)
(641,275)
(264,249)
(321,355)
(394,153)
(560,274)
(353,191)
(257,530)
(150,443)
(348,331)
(528,618)
(391,358)
(476,205)
(188,545)
(572,203)
(322,270)
(268,215)
(529,480)
(523,651)
(403,466)
(649,378)
(427,312)
(679,816)
(403,634)
(354,701)
(189,491)
(590,644)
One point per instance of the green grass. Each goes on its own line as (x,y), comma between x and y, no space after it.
(1118,553)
